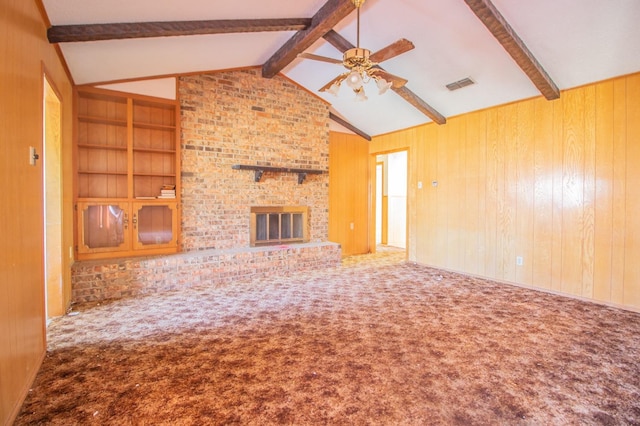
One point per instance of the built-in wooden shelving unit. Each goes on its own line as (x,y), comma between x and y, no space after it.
(127,159)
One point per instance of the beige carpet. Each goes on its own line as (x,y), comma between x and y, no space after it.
(376,341)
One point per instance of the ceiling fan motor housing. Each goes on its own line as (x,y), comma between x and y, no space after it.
(357,57)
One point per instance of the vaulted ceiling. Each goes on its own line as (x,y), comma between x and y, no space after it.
(510,49)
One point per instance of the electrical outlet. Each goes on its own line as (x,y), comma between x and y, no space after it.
(419,184)
(519,260)
(351,226)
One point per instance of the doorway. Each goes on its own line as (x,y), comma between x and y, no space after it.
(391,200)
(52,183)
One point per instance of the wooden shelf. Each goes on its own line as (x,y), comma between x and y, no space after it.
(98,146)
(259,171)
(102,120)
(154,126)
(92,172)
(155,150)
(103,200)
(155,174)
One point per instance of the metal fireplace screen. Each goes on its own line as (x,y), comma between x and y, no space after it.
(278,225)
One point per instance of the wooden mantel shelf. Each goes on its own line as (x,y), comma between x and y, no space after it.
(259,170)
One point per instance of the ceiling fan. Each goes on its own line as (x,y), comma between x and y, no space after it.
(362,65)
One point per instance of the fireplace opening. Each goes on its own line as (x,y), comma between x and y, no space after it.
(272,225)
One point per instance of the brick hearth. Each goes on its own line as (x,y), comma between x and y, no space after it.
(117,278)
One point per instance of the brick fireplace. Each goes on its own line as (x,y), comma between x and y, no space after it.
(231,118)
(238,117)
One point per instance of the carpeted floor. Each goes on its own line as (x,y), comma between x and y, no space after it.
(375,341)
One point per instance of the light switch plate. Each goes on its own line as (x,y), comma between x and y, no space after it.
(32,156)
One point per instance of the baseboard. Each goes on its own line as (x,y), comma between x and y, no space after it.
(540,289)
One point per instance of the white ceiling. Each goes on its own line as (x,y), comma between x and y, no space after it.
(576,42)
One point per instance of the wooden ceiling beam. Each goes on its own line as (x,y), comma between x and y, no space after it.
(420,105)
(511,42)
(118,31)
(337,41)
(324,20)
(344,123)
(342,44)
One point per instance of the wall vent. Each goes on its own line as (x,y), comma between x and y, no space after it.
(460,84)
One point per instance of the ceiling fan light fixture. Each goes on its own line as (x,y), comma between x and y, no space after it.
(360,95)
(354,80)
(383,85)
(334,89)
(361,68)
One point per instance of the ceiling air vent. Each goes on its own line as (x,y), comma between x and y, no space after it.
(460,84)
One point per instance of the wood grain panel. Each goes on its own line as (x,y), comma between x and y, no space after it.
(410,196)
(26,55)
(426,224)
(557,186)
(631,290)
(442,197)
(542,237)
(491,193)
(572,191)
(471,214)
(481,141)
(603,192)
(453,196)
(525,191)
(619,190)
(588,196)
(348,192)
(512,134)
(507,131)
(417,172)
(557,235)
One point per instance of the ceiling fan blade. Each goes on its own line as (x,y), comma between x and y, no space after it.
(320,58)
(338,80)
(394,49)
(397,81)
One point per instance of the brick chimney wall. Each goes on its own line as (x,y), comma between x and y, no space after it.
(238,117)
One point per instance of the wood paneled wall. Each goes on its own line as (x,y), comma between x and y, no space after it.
(556,183)
(348,192)
(25,53)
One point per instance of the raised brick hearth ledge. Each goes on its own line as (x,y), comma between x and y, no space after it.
(97,280)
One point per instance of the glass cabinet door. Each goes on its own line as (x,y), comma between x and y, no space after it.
(103,227)
(154,225)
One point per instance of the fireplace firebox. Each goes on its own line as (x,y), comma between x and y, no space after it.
(271,225)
